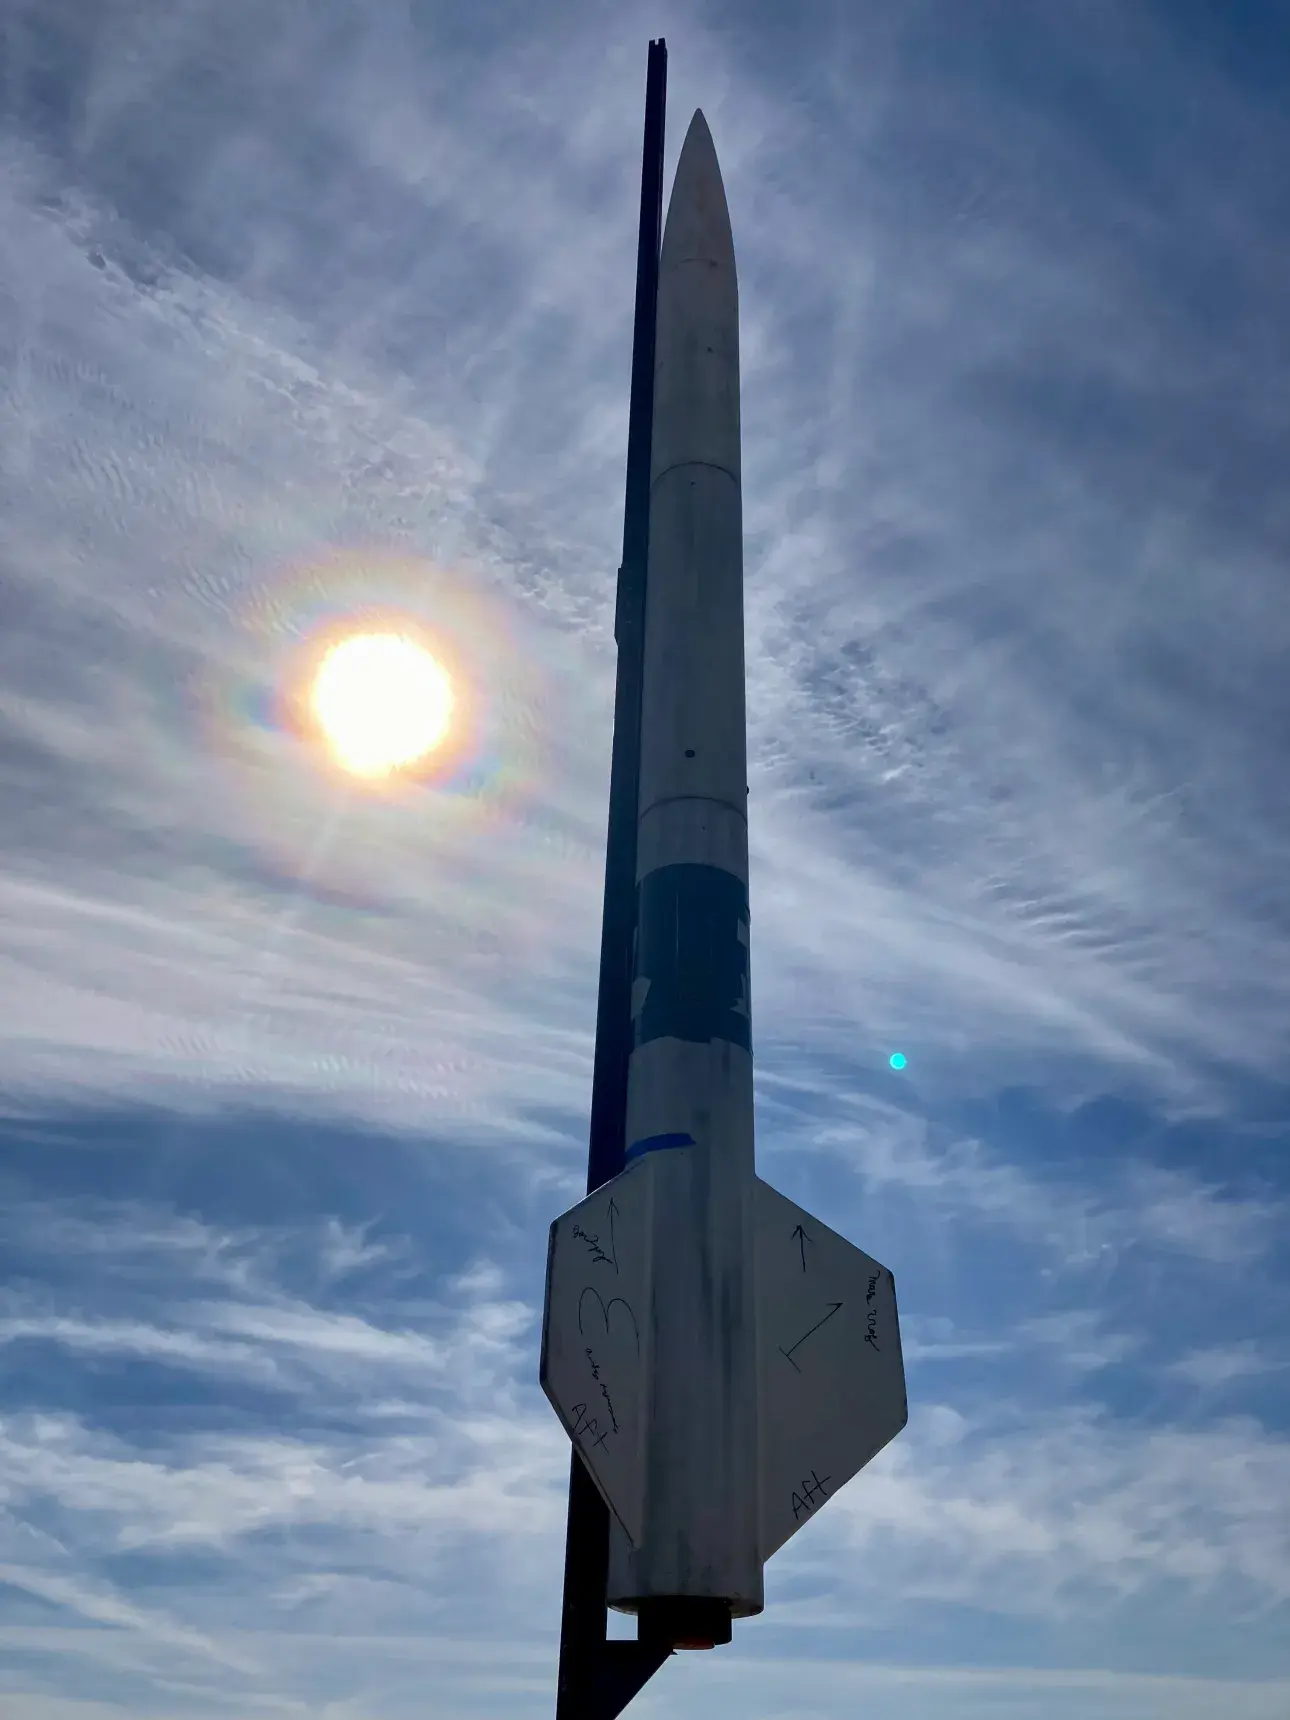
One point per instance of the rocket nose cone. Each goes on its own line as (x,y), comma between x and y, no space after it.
(698,222)
(696,363)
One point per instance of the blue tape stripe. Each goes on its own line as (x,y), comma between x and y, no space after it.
(692,949)
(658,1144)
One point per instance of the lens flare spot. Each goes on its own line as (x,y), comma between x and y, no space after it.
(897,1060)
(382,702)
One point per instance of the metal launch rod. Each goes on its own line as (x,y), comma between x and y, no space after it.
(598,1678)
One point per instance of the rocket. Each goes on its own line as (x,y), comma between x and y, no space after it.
(722,1360)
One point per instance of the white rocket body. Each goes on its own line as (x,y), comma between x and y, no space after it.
(721,1360)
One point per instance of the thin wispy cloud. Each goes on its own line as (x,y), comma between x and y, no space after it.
(310,315)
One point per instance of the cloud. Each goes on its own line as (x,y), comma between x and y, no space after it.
(1223,1365)
(134,1338)
(1018,1511)
(327,310)
(1078,1339)
(253,397)
(964,1692)
(413,1443)
(1204,1221)
(1083,1221)
(347,1249)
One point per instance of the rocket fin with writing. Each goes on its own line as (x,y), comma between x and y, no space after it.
(831,1381)
(595,1335)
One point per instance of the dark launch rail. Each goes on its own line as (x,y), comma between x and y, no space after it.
(597,1677)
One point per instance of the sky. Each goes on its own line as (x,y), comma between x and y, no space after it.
(314,313)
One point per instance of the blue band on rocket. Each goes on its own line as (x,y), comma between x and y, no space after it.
(692,947)
(658,1144)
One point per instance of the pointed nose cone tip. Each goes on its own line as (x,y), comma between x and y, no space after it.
(698,221)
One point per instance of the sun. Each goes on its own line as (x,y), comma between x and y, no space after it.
(382,702)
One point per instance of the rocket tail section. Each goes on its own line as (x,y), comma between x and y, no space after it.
(830,1382)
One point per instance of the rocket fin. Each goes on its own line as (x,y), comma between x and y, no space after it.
(831,1380)
(595,1335)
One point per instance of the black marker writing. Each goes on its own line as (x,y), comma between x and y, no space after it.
(586,1426)
(814,1492)
(593,1308)
(788,1354)
(871,1335)
(604,1389)
(598,1254)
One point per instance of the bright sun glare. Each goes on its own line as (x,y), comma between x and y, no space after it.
(382,702)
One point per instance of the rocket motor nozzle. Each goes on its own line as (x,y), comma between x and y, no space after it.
(683,1621)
